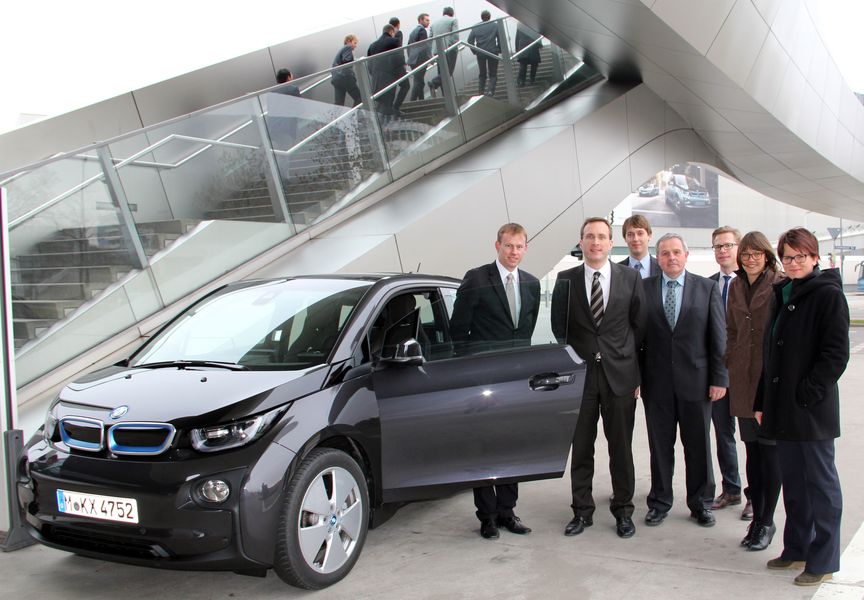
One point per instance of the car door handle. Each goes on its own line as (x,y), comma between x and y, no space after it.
(549,381)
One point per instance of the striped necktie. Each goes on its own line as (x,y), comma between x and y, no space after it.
(596,299)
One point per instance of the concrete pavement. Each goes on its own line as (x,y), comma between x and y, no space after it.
(433,549)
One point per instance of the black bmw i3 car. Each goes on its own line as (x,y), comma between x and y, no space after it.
(273,422)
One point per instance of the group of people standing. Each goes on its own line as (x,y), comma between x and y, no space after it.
(751,343)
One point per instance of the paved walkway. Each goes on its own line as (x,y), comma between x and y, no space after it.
(433,550)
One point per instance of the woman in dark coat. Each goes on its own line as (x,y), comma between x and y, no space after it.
(529,58)
(806,349)
(746,315)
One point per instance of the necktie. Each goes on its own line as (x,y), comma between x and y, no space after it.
(638,267)
(669,303)
(725,294)
(596,299)
(510,289)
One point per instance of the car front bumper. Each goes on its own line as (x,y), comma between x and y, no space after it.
(176,529)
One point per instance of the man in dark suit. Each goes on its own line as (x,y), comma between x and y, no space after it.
(637,233)
(597,308)
(418,54)
(386,69)
(496,307)
(682,374)
(724,241)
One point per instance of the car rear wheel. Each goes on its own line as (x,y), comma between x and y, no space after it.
(325,516)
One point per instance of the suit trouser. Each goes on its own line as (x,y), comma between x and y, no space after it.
(418,82)
(693,418)
(496,501)
(451,56)
(814,504)
(618,414)
(488,68)
(402,92)
(727,450)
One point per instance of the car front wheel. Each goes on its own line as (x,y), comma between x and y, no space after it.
(325,516)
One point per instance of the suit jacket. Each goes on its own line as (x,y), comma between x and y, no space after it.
(688,359)
(620,333)
(481,315)
(418,53)
(653,269)
(385,69)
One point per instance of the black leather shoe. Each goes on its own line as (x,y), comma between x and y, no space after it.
(762,537)
(654,517)
(578,525)
(624,527)
(488,529)
(748,539)
(704,517)
(513,524)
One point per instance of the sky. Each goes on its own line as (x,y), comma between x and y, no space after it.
(56,56)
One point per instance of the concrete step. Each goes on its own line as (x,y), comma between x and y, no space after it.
(96,274)
(56,291)
(82,259)
(25,329)
(44,309)
(177,226)
(153,242)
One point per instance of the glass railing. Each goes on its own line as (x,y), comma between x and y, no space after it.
(105,236)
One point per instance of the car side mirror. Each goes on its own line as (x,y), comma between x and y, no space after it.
(408,353)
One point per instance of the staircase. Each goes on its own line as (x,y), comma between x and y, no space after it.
(73,266)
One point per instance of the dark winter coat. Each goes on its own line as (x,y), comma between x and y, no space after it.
(806,348)
(745,330)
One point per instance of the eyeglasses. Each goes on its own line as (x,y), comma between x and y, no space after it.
(719,247)
(755,255)
(798,258)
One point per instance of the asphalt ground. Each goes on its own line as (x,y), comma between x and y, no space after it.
(434,550)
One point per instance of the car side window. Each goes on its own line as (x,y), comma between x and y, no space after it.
(432,332)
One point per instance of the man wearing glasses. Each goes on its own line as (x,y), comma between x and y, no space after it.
(724,241)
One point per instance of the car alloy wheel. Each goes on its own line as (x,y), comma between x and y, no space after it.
(324,520)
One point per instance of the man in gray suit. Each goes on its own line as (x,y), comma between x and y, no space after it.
(597,308)
(418,53)
(447,23)
(682,374)
(485,37)
(637,233)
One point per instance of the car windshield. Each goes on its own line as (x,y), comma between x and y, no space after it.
(275,325)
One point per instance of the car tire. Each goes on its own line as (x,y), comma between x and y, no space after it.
(324,520)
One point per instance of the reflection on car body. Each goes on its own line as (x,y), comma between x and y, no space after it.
(271,423)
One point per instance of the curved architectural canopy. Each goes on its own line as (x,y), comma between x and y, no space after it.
(752,77)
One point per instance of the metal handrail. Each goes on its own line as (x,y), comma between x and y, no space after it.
(220,141)
(408,74)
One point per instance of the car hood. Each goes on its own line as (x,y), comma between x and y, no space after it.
(185,396)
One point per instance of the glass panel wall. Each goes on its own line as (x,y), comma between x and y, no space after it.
(185,202)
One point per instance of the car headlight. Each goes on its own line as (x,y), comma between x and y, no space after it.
(49,429)
(233,435)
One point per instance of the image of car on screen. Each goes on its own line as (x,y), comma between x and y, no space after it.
(685,193)
(272,423)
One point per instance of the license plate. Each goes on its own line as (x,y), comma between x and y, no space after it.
(107,508)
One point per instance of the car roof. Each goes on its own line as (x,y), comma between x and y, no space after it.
(370,277)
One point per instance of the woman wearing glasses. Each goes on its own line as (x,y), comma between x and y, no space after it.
(806,349)
(747,312)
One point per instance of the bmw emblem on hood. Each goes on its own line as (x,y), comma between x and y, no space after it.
(119,412)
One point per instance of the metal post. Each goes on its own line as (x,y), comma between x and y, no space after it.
(274,178)
(16,535)
(448,88)
(558,63)
(365,86)
(507,64)
(124,213)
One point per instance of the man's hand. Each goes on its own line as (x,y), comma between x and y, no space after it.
(636,393)
(715,392)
